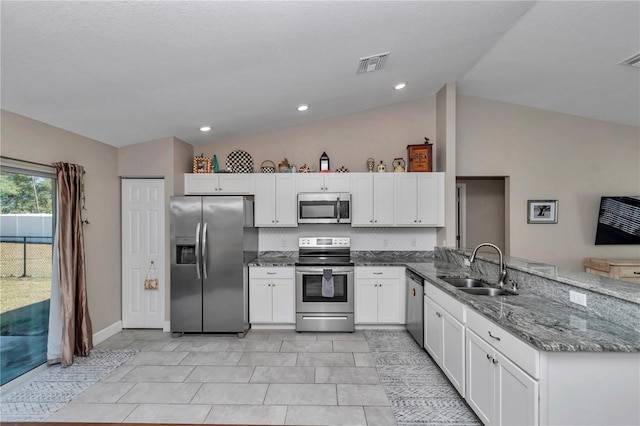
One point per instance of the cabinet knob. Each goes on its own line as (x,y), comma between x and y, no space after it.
(371,221)
(375,221)
(273,221)
(488,356)
(415,221)
(420,221)
(495,361)
(277,221)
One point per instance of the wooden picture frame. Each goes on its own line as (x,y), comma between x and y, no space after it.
(542,211)
(201,164)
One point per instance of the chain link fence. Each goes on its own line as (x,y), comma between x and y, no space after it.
(26,257)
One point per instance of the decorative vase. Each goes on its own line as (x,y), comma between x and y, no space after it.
(371,163)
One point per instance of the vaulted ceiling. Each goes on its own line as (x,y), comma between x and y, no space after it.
(129,72)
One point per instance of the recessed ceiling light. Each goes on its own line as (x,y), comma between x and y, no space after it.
(400,85)
(303,107)
(205,128)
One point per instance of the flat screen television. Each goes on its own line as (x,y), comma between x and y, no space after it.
(619,220)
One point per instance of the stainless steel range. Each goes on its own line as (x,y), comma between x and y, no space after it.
(324,284)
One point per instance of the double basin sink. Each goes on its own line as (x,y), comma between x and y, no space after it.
(476,287)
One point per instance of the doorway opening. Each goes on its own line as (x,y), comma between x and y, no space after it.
(27,221)
(482,211)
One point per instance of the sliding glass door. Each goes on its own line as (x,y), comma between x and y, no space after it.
(27,201)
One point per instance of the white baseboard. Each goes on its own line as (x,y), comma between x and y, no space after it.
(105,333)
(380,327)
(167,326)
(273,326)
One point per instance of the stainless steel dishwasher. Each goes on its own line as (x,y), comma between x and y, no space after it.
(415,307)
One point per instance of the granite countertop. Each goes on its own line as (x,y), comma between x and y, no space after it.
(543,323)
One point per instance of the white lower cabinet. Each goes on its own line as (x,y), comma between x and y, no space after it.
(500,391)
(445,334)
(271,295)
(497,390)
(379,295)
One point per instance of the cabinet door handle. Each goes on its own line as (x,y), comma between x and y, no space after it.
(439,314)
(488,356)
(494,337)
(495,361)
(377,273)
(413,292)
(271,273)
(636,273)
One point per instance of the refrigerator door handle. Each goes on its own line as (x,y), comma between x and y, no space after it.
(198,250)
(204,250)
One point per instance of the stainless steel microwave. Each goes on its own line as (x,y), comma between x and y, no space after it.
(324,207)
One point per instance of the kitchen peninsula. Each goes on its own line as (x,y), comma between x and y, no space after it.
(534,357)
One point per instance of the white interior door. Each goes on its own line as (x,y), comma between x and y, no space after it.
(143,216)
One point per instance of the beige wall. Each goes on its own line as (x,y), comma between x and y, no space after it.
(166,158)
(445,158)
(485,211)
(381,133)
(31,140)
(548,155)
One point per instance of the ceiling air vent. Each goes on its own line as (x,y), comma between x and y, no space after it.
(634,61)
(372,63)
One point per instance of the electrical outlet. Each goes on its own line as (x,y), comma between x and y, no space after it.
(283,242)
(413,242)
(385,243)
(579,298)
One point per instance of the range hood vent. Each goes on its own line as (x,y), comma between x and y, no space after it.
(372,63)
(634,61)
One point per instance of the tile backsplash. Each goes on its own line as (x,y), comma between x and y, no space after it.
(402,239)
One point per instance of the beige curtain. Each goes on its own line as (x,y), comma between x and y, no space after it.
(76,325)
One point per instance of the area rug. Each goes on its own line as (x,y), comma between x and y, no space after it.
(418,391)
(56,386)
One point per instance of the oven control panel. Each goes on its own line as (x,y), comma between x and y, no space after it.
(310,242)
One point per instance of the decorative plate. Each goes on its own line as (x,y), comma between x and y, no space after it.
(239,162)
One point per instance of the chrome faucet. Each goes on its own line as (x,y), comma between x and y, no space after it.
(503,271)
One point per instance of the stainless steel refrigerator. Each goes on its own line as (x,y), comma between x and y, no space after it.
(212,241)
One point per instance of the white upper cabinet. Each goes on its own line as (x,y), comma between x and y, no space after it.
(323,182)
(275,200)
(420,199)
(373,199)
(217,183)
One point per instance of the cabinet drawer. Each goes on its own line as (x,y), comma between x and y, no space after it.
(630,271)
(271,272)
(378,272)
(448,303)
(510,346)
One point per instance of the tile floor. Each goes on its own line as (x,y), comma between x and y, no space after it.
(269,377)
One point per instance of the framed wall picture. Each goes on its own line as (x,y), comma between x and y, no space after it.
(542,211)
(201,164)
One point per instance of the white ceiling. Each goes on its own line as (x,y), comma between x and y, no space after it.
(129,72)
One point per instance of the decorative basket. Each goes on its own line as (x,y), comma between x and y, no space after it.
(268,166)
(342,169)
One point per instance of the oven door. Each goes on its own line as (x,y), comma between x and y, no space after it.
(309,297)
